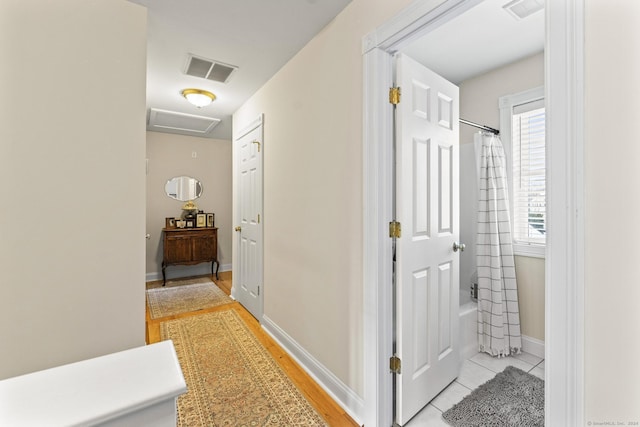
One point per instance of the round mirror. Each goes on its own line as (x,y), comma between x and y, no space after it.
(183,188)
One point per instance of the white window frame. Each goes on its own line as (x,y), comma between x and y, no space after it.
(506,104)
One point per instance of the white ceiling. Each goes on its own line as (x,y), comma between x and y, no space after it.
(258,36)
(482,39)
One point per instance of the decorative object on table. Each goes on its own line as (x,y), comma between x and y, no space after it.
(210,220)
(512,398)
(190,223)
(189,210)
(180,223)
(201,220)
(170,223)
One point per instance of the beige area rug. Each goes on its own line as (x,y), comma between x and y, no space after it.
(232,379)
(193,295)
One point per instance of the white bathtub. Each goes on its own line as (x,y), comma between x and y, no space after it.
(468,326)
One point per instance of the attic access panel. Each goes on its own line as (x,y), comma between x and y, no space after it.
(181,123)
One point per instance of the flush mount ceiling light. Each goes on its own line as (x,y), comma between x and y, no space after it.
(198,97)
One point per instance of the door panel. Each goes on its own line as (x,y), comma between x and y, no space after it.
(445,341)
(427,285)
(179,250)
(421,173)
(445,190)
(421,287)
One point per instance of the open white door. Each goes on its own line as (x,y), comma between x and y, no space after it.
(427,266)
(247,279)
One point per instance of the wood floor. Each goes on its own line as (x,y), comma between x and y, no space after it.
(331,411)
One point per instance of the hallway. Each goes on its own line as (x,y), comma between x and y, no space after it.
(319,399)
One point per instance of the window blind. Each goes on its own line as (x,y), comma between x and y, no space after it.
(529,204)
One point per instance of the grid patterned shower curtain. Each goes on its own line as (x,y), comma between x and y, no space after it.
(498,311)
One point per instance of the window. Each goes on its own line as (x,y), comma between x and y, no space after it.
(523,132)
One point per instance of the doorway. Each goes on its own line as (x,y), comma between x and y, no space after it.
(562,269)
(427,252)
(498,55)
(248,149)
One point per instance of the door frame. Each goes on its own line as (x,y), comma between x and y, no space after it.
(258,122)
(564,261)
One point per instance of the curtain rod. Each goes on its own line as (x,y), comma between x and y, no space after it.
(483,127)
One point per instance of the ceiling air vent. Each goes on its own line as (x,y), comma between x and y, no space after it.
(520,9)
(181,123)
(209,69)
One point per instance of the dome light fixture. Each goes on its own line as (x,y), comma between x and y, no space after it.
(198,97)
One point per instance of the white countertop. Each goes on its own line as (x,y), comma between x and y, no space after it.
(93,391)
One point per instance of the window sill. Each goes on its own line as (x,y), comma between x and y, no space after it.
(531,251)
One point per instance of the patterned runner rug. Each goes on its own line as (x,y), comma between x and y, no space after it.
(232,379)
(183,298)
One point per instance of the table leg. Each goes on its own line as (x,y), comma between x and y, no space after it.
(217,264)
(164,277)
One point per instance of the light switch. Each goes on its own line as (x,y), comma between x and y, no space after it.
(194,154)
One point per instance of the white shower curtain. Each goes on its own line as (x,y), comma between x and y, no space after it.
(498,311)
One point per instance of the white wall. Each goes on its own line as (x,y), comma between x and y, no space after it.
(612,177)
(479,95)
(313,190)
(479,103)
(72,137)
(170,155)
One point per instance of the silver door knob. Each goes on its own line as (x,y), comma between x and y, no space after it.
(458,246)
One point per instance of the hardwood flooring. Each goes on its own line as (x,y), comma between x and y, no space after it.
(327,407)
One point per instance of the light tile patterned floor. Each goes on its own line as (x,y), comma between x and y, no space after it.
(475,371)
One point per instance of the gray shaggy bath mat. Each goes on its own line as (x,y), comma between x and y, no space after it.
(512,398)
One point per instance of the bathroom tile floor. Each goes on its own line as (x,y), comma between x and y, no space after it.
(475,371)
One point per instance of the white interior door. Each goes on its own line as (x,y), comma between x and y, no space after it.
(247,280)
(427,267)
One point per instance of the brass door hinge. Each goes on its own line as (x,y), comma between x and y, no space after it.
(395,364)
(394,95)
(395,229)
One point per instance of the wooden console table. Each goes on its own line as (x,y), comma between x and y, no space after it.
(189,246)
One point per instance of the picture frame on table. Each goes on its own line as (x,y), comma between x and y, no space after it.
(201,220)
(210,220)
(170,223)
(190,223)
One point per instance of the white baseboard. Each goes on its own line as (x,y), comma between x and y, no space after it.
(533,346)
(340,392)
(178,271)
